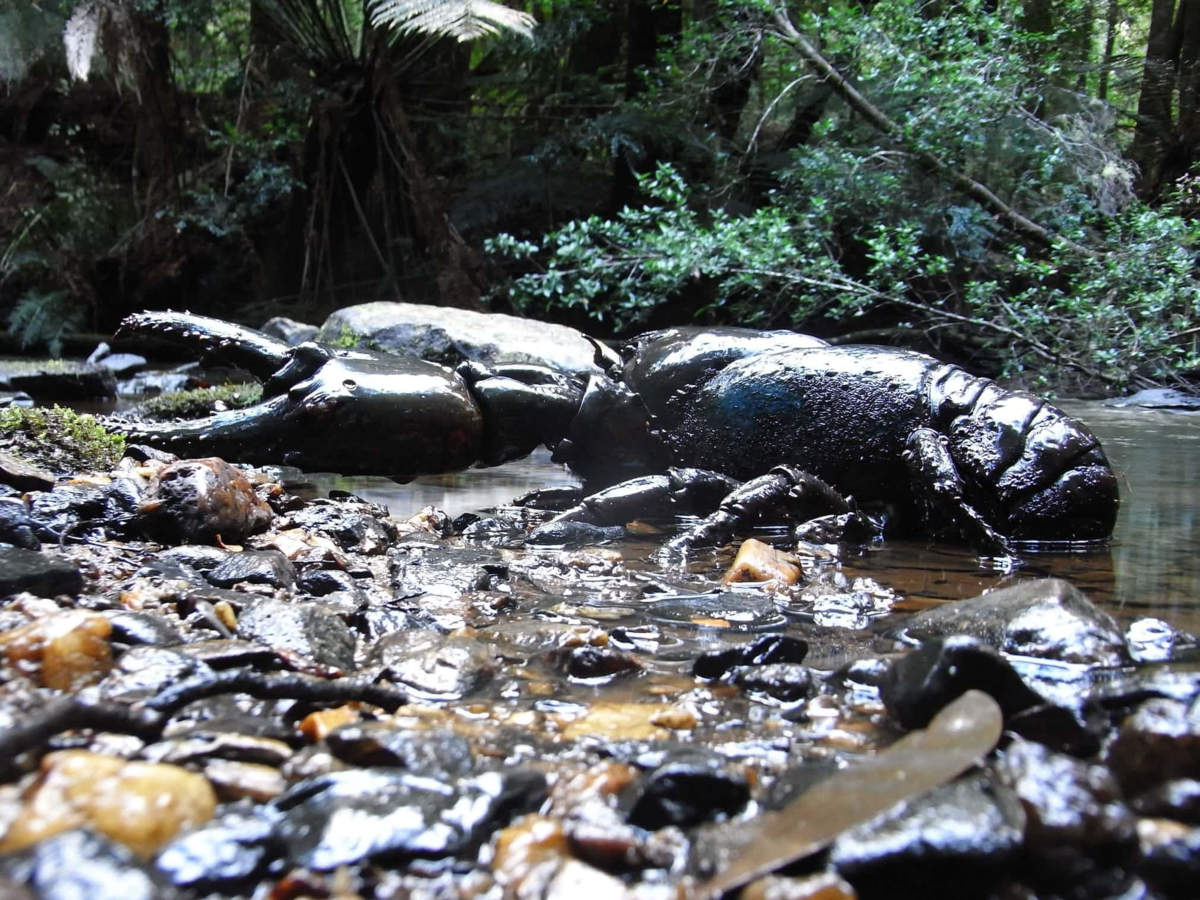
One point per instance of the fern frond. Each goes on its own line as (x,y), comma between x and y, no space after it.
(463,20)
(80,38)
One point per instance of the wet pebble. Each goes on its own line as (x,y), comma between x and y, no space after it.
(81,865)
(773,648)
(43,574)
(359,527)
(201,500)
(1076,820)
(65,650)
(1159,742)
(142,672)
(233,780)
(143,628)
(22,474)
(1170,856)
(1047,618)
(94,511)
(826,886)
(433,664)
(300,628)
(1178,799)
(203,744)
(688,788)
(17,529)
(269,567)
(397,815)
(437,752)
(320,582)
(141,805)
(786,682)
(230,848)
(195,557)
(924,681)
(966,827)
(432,569)
(756,561)
(593,665)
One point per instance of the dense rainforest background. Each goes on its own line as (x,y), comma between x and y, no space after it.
(1014,182)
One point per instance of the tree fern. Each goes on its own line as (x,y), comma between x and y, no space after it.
(464,20)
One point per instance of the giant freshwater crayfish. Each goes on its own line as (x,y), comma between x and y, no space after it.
(741,422)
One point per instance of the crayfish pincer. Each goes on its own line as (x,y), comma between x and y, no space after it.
(741,424)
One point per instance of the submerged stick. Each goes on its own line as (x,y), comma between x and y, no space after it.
(957,738)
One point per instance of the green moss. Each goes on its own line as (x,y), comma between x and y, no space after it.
(347,339)
(200,402)
(58,439)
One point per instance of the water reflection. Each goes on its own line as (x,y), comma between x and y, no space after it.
(1150,568)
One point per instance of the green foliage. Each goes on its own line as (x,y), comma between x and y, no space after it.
(42,318)
(59,439)
(856,229)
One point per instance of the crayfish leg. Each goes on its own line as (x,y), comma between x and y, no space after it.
(936,480)
(785,489)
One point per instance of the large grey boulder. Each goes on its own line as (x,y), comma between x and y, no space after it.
(450,336)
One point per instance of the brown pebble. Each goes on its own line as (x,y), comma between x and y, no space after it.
(64,650)
(141,805)
(238,780)
(201,501)
(756,561)
(529,852)
(317,724)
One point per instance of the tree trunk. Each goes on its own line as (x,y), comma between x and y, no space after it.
(1110,41)
(157,122)
(1153,131)
(460,278)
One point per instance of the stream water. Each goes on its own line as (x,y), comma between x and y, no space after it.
(1151,567)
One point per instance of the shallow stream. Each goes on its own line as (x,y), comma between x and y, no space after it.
(1151,567)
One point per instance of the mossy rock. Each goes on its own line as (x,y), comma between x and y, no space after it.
(59,440)
(200,402)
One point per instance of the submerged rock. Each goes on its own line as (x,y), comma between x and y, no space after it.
(773,648)
(1047,618)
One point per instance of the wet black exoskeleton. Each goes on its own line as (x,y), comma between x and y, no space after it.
(730,419)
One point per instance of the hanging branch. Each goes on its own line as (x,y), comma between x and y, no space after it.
(975,190)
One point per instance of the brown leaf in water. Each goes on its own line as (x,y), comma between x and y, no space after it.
(957,738)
